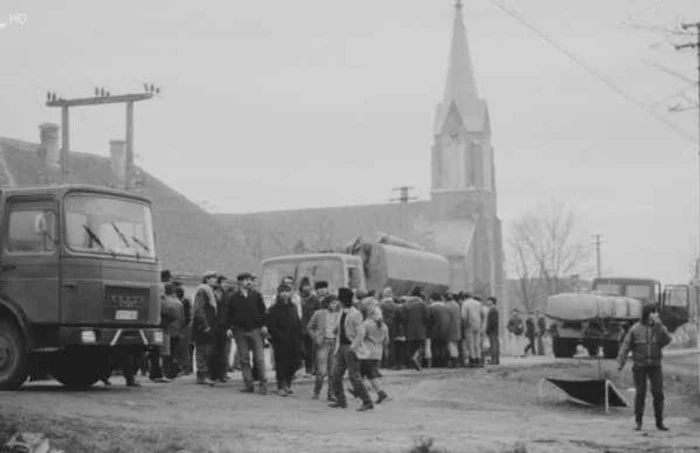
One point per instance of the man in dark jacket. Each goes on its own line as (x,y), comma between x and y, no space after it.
(284,327)
(492,331)
(416,316)
(645,340)
(247,321)
(203,325)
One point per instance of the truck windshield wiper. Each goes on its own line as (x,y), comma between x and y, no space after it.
(94,237)
(139,242)
(121,235)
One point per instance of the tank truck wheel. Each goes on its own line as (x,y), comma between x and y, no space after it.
(563,348)
(77,370)
(14,358)
(610,349)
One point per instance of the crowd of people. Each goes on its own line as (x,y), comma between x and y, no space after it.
(317,332)
(530,327)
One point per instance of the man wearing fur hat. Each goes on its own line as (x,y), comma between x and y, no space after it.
(350,335)
(203,325)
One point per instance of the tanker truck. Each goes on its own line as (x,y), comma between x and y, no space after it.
(602,317)
(388,261)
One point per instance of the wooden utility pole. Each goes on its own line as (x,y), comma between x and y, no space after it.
(101,97)
(404,198)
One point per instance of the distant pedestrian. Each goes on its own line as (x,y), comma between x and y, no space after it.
(492,331)
(541,331)
(646,340)
(416,317)
(173,316)
(530,335)
(516,328)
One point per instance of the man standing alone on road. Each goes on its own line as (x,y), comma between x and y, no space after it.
(645,340)
(492,331)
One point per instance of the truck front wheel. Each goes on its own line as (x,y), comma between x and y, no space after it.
(79,369)
(14,359)
(563,348)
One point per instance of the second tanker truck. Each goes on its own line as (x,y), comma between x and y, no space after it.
(364,265)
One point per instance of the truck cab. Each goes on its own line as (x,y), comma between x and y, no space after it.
(338,269)
(673,301)
(79,279)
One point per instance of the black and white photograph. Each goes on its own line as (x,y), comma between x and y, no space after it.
(393,226)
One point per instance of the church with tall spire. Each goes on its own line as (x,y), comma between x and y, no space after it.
(459,220)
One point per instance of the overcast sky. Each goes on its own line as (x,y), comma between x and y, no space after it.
(272,105)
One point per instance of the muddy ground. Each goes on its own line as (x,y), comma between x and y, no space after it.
(463,410)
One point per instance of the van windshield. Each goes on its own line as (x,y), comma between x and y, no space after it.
(330,270)
(107,225)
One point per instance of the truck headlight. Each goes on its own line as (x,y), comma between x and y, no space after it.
(88,336)
(158,337)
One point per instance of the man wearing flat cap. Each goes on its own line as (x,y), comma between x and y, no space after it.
(247,321)
(203,326)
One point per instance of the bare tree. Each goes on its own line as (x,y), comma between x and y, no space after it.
(545,251)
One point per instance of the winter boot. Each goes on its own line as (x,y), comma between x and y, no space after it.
(381,396)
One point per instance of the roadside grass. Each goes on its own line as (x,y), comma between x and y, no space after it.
(427,445)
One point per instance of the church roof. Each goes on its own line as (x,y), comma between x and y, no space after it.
(460,87)
(190,240)
(277,232)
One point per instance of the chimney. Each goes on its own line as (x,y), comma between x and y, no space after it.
(50,149)
(117,155)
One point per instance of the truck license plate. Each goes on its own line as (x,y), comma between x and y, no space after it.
(126,315)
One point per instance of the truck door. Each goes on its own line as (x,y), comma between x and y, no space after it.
(675,304)
(29,267)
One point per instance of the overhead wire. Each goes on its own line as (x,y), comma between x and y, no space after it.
(593,71)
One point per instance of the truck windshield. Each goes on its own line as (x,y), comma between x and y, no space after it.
(108,225)
(330,270)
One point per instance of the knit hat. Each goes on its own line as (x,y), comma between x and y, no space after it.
(321,284)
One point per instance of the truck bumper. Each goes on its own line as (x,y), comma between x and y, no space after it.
(110,336)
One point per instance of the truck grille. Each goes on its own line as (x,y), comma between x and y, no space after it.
(125,304)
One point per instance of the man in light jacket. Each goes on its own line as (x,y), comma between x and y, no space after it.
(323,328)
(646,340)
(350,334)
(471,317)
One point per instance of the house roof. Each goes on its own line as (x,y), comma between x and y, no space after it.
(278,232)
(190,240)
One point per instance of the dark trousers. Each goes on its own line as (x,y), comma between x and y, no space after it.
(540,345)
(205,358)
(247,342)
(155,371)
(219,360)
(346,360)
(530,346)
(172,362)
(308,353)
(656,378)
(286,365)
(495,348)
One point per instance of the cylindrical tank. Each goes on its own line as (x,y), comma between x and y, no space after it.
(403,268)
(398,242)
(585,306)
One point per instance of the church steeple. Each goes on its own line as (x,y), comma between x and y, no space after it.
(460,86)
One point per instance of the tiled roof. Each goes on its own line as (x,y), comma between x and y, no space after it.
(277,232)
(190,240)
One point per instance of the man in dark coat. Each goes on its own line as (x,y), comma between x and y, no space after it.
(416,316)
(247,321)
(530,335)
(389,312)
(440,321)
(492,331)
(284,327)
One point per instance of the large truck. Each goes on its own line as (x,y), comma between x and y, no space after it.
(600,319)
(79,280)
(365,265)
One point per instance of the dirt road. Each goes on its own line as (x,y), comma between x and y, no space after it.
(463,410)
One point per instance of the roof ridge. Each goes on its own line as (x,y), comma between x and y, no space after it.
(315,208)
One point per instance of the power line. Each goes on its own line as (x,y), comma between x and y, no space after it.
(594,72)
